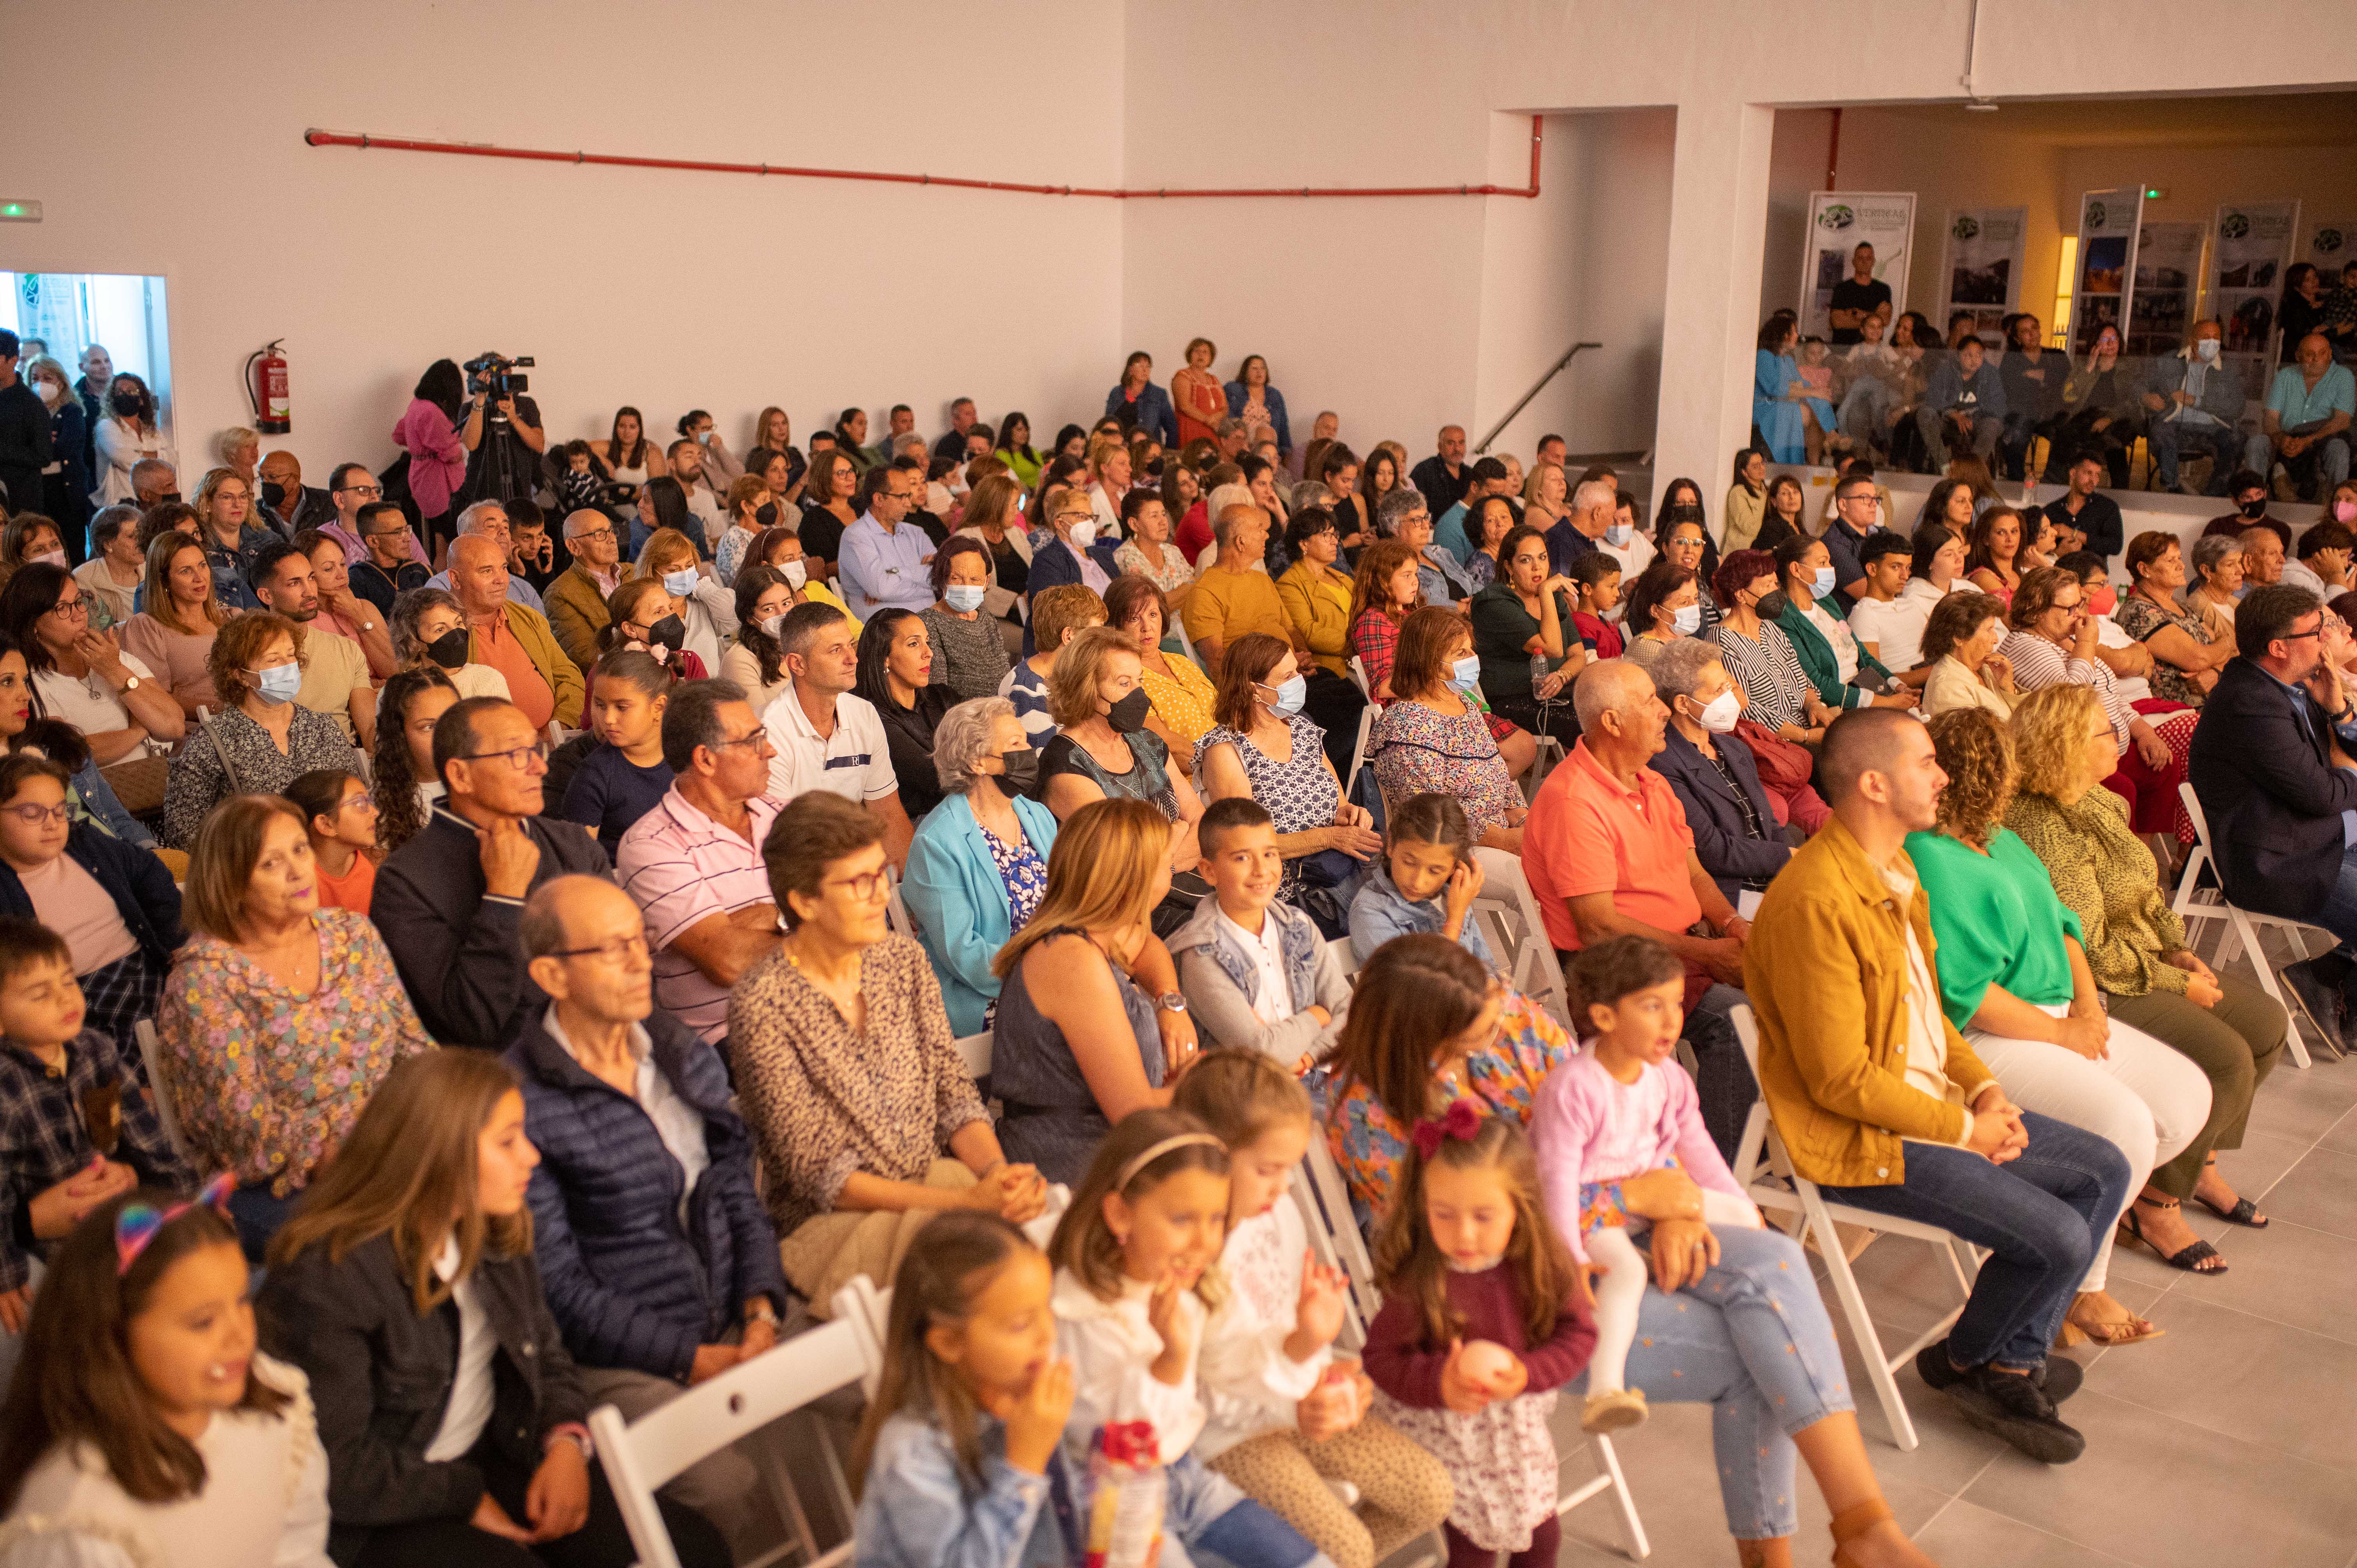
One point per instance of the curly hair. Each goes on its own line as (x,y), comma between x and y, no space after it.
(2049,740)
(1955,619)
(1977,753)
(1740,570)
(240,643)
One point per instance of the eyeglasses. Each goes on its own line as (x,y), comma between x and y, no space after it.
(613,950)
(594,533)
(365,797)
(521,759)
(864,886)
(33,816)
(754,739)
(69,608)
(362,490)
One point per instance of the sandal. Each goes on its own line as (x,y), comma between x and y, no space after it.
(2129,1330)
(2245,1212)
(2190,1258)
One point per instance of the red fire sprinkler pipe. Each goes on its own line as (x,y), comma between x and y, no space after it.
(486,150)
(1832,152)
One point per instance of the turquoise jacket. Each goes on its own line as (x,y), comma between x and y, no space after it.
(954,894)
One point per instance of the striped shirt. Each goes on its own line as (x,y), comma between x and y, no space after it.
(680,868)
(1768,671)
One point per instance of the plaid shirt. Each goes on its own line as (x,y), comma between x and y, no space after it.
(1374,637)
(44,1139)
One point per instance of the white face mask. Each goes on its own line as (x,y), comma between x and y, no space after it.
(769,625)
(796,575)
(1082,534)
(1617,534)
(1719,714)
(1687,619)
(2206,349)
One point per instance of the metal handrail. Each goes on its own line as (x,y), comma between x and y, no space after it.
(1520,403)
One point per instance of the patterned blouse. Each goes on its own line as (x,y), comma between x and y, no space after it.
(972,654)
(2142,619)
(824,1100)
(267,1083)
(1183,696)
(1025,875)
(1368,1143)
(2038,663)
(2104,874)
(1768,671)
(1415,748)
(199,779)
(1174,573)
(1300,792)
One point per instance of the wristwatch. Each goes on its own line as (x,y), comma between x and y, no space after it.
(1170,1002)
(761,1312)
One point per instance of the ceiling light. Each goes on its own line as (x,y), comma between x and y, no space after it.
(1980,106)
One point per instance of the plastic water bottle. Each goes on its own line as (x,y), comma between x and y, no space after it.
(1128,1491)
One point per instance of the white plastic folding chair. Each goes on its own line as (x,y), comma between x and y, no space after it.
(2243,926)
(159,1086)
(1188,643)
(1517,932)
(641,1457)
(867,1309)
(896,913)
(1608,1477)
(975,1049)
(1761,1154)
(1359,673)
(557,734)
(1344,954)
(1359,747)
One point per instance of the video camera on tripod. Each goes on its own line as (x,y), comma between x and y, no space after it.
(496,374)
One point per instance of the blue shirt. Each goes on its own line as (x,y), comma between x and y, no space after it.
(609,793)
(884,570)
(1449,533)
(2296,405)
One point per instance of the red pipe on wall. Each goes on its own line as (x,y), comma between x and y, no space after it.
(485,150)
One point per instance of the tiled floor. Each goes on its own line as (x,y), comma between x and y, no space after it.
(2230,1441)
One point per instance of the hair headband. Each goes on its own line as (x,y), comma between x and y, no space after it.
(1461,1121)
(138,1223)
(1154,1152)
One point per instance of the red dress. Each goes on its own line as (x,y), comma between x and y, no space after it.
(1201,404)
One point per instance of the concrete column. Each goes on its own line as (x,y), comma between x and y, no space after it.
(1719,214)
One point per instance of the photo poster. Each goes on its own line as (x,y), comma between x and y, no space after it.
(1982,270)
(2167,278)
(2108,224)
(2253,247)
(1839,222)
(2332,245)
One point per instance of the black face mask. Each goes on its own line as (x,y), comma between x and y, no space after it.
(449,650)
(126,404)
(274,494)
(670,631)
(766,514)
(1128,716)
(1773,604)
(1022,773)
(2255,508)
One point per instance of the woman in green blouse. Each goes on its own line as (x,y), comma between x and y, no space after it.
(2135,944)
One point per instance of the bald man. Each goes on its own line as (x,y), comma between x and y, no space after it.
(1609,853)
(2305,442)
(1441,476)
(489,520)
(513,639)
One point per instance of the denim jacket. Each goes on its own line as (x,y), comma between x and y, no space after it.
(1221,979)
(1381,911)
(918,1510)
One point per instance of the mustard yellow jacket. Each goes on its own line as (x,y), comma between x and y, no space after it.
(1825,968)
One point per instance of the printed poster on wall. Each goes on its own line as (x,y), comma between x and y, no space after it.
(2251,250)
(2108,224)
(1982,272)
(2332,245)
(2167,276)
(1840,221)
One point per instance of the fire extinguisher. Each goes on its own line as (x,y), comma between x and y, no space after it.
(265,388)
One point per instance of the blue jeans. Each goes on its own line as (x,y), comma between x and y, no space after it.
(2321,468)
(1753,1342)
(2041,1215)
(2170,435)
(1211,1514)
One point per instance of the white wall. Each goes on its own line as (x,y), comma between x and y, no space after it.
(168,139)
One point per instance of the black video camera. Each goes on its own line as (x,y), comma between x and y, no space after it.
(496,374)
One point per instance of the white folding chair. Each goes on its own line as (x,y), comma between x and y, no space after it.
(1608,1477)
(557,734)
(1344,954)
(1760,1153)
(867,1309)
(642,1455)
(1518,932)
(1188,643)
(159,1087)
(1550,752)
(2243,926)
(896,913)
(1359,673)
(1359,747)
(975,1049)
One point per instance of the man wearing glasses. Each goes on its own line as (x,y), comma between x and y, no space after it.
(2271,763)
(380,568)
(450,901)
(352,486)
(576,599)
(883,557)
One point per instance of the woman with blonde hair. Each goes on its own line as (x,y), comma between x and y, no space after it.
(1086,1030)
(706,611)
(993,515)
(406,1289)
(1102,748)
(774,430)
(172,635)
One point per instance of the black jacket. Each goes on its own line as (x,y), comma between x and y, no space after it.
(1731,855)
(136,879)
(458,952)
(2272,800)
(909,733)
(381,1376)
(1441,489)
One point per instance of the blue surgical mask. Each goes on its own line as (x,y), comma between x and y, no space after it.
(1466,673)
(277,687)
(963,597)
(680,584)
(1290,696)
(1824,581)
(1617,534)
(1687,619)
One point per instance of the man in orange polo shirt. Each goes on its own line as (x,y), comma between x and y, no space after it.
(1609,853)
(513,639)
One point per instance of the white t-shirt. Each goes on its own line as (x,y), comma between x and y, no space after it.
(473,1389)
(1895,629)
(1633,556)
(90,704)
(855,762)
(1273,999)
(1844,645)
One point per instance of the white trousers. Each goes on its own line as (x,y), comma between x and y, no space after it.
(2144,1096)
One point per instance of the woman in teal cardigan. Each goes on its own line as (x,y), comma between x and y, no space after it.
(979,864)
(1804,570)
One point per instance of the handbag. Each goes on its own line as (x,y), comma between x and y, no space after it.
(1785,766)
(138,784)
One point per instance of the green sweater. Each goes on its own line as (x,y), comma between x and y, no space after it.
(1996,921)
(1817,661)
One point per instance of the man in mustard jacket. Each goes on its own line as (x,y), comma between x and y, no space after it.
(1881,1102)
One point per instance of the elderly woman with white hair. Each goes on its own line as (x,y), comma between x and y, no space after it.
(1711,771)
(241,453)
(978,865)
(1404,515)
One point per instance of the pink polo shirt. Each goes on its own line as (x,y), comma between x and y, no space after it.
(683,867)
(1587,833)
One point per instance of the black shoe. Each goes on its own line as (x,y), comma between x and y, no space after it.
(2013,1407)
(2321,1000)
(1932,1365)
(2060,1375)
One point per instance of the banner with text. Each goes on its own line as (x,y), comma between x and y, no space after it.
(1838,223)
(1982,270)
(2252,248)
(2108,224)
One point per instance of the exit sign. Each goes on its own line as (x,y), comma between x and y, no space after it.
(20,212)
(2155,193)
